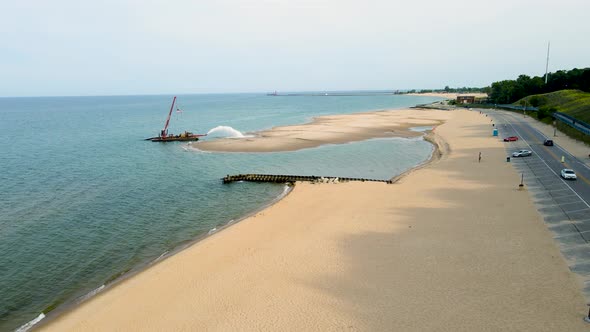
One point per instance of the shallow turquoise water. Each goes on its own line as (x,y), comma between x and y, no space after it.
(83,198)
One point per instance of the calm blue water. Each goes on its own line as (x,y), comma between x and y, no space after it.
(84,199)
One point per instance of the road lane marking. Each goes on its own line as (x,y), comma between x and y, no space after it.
(550,169)
(560,204)
(549,150)
(575,211)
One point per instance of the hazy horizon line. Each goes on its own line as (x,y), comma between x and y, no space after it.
(220,93)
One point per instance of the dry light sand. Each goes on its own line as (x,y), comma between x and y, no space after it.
(453,246)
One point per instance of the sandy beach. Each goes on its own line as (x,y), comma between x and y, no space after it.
(453,246)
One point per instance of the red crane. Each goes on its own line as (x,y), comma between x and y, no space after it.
(164,132)
(164,137)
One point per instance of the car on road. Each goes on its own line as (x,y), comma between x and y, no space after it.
(568,174)
(548,142)
(522,153)
(510,139)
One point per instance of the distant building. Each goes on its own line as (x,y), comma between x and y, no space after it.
(465,99)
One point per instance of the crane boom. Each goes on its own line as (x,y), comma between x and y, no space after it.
(165,130)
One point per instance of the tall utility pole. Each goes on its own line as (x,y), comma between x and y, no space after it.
(547,65)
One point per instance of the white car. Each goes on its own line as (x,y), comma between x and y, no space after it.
(568,174)
(522,153)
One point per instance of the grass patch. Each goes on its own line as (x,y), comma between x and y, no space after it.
(574,103)
(573,133)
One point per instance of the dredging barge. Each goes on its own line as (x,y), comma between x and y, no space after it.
(164,136)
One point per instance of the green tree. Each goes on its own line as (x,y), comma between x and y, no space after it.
(508,91)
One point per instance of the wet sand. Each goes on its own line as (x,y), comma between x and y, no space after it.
(453,246)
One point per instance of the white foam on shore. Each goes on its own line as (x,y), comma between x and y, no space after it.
(286,190)
(160,257)
(191,147)
(30,324)
(92,293)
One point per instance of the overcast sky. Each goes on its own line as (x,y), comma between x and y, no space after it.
(119,47)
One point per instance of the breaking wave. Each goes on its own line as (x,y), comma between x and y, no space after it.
(30,324)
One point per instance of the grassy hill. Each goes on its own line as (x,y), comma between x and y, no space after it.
(571,102)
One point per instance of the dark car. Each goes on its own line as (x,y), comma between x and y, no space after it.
(548,142)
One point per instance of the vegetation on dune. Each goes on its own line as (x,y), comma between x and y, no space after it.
(509,91)
(575,103)
(566,91)
(448,89)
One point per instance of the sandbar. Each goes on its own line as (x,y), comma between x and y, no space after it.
(330,129)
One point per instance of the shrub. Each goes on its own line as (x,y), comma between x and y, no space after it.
(545,112)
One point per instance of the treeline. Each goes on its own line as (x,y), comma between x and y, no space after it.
(448,89)
(509,91)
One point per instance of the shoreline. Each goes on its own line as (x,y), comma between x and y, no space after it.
(45,318)
(439,151)
(336,271)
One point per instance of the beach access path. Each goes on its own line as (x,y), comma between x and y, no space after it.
(453,246)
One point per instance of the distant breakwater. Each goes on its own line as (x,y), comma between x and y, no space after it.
(333,94)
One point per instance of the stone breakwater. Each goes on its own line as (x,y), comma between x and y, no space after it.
(293,178)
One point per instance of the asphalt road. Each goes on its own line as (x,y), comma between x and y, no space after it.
(512,124)
(563,204)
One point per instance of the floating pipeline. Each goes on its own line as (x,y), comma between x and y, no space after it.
(271,178)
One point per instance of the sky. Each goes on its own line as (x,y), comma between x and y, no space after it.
(128,47)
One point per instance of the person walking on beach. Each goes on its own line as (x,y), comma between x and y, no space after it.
(479,159)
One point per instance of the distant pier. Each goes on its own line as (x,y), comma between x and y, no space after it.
(272,178)
(333,94)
